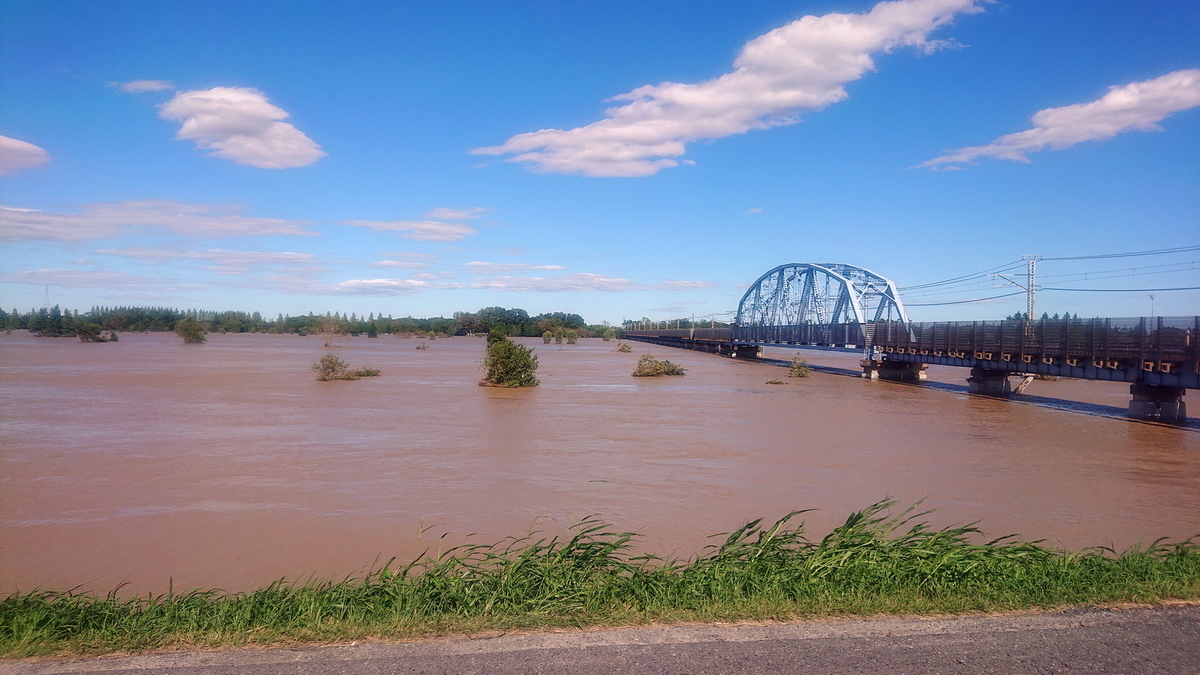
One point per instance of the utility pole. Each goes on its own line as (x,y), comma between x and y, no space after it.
(1031,272)
(1030,286)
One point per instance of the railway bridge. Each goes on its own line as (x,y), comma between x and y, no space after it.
(844,307)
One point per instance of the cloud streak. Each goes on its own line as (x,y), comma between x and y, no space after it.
(1138,106)
(433,228)
(239,124)
(804,65)
(583,282)
(101,221)
(143,86)
(78,279)
(221,261)
(16,155)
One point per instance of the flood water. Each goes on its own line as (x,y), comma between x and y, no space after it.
(227,465)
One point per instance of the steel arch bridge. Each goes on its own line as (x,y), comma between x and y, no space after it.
(823,297)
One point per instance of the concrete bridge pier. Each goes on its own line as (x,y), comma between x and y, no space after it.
(988,382)
(902,371)
(1154,402)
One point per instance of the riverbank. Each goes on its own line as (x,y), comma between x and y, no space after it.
(880,561)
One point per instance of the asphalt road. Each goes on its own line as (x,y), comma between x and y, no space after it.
(1137,640)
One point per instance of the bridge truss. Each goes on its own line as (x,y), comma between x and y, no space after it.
(825,294)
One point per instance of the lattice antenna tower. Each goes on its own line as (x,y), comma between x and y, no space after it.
(46,298)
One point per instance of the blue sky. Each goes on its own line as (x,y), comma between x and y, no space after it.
(614,159)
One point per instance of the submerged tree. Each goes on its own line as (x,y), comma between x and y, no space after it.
(329,330)
(572,336)
(547,337)
(330,367)
(648,366)
(190,330)
(508,364)
(799,368)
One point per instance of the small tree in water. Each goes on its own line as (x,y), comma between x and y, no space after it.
(799,368)
(607,335)
(329,330)
(547,337)
(508,364)
(572,337)
(190,330)
(558,335)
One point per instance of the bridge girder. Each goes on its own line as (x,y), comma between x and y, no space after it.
(819,293)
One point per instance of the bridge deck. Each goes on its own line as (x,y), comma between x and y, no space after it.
(1162,351)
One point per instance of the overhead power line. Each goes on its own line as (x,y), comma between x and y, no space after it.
(1124,290)
(1161,251)
(965,277)
(962,302)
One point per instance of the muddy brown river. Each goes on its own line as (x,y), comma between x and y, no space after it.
(227,465)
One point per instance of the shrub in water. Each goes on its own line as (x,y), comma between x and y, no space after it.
(330,367)
(648,366)
(508,364)
(776,382)
(800,368)
(547,337)
(190,330)
(623,348)
(422,346)
(607,335)
(558,335)
(572,337)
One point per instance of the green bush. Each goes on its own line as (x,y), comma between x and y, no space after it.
(623,348)
(508,364)
(547,337)
(190,330)
(799,368)
(330,367)
(572,337)
(558,335)
(607,335)
(648,366)
(87,331)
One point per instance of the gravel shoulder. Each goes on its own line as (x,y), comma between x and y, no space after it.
(1164,639)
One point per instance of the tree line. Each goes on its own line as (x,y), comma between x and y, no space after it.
(57,322)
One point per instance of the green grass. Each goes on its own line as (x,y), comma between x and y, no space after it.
(877,562)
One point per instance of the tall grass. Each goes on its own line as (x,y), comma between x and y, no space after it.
(877,561)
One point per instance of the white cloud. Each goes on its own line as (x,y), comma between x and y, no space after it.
(16,155)
(417,230)
(379,286)
(407,264)
(496,268)
(754,210)
(241,125)
(1137,106)
(801,66)
(141,86)
(100,221)
(441,213)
